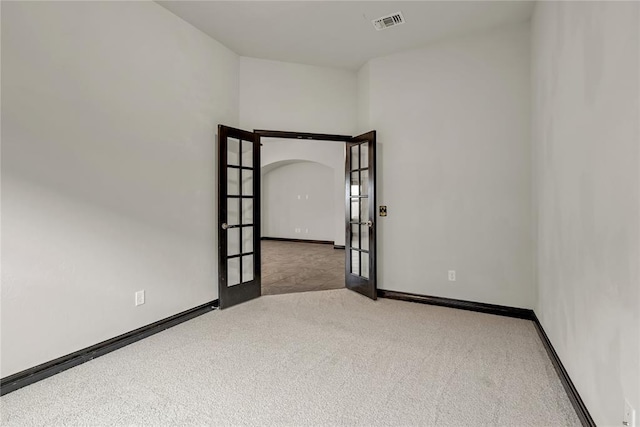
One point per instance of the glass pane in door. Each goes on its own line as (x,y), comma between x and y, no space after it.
(355,262)
(233,181)
(233,241)
(247,268)
(247,153)
(365,237)
(355,209)
(247,182)
(355,164)
(247,239)
(355,236)
(355,183)
(247,211)
(233,271)
(364,209)
(233,152)
(365,265)
(364,182)
(364,155)
(233,211)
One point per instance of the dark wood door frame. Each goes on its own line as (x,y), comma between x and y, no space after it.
(262,133)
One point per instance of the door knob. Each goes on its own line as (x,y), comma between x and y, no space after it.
(369,223)
(224,226)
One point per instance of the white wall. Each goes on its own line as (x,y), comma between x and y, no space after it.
(328,153)
(293,97)
(108,171)
(586,77)
(454,161)
(298,195)
(363,101)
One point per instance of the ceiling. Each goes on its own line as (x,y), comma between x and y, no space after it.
(340,33)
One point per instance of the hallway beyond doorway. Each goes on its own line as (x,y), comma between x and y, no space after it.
(289,267)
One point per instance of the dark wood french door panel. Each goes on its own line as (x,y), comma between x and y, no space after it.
(238,216)
(360,224)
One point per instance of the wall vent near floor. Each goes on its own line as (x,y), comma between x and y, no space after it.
(388,21)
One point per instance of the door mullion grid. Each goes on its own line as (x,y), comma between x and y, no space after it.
(240,255)
(223,193)
(359,211)
(255,171)
(241,171)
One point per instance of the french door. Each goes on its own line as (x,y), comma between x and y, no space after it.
(360,194)
(238,216)
(239,211)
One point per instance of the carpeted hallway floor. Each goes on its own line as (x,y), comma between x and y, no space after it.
(313,358)
(299,267)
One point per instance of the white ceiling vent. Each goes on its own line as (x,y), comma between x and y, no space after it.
(388,21)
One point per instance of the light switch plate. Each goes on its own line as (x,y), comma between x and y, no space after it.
(139,298)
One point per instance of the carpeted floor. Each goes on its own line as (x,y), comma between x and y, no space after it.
(299,267)
(313,358)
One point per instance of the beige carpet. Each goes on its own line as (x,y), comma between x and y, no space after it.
(300,267)
(313,358)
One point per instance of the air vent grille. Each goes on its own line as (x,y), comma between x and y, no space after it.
(388,21)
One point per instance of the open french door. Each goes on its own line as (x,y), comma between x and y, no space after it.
(360,192)
(238,216)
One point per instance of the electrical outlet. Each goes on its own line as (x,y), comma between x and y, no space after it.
(306,231)
(452,275)
(139,298)
(629,419)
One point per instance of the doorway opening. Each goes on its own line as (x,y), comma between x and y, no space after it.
(302,215)
(240,206)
